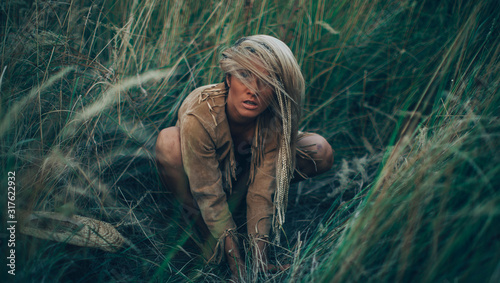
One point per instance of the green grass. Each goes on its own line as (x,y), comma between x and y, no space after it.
(407,93)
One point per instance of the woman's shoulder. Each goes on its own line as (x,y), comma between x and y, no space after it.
(207,104)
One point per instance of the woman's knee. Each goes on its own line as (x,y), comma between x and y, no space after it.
(325,153)
(168,147)
(319,150)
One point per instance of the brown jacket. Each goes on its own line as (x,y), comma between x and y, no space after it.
(209,162)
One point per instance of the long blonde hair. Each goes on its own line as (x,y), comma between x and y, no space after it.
(282,73)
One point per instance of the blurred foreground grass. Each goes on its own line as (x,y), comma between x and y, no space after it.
(407,92)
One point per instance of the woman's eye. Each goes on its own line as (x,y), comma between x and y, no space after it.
(262,85)
(245,74)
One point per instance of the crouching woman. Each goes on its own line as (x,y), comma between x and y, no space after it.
(236,148)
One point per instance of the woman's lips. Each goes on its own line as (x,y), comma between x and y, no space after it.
(250,105)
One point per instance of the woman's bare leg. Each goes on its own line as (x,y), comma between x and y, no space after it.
(175,180)
(170,168)
(320,157)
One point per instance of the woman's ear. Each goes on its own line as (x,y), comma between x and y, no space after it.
(228,80)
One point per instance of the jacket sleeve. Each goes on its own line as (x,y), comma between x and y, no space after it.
(205,179)
(260,194)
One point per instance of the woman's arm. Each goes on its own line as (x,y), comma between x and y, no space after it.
(260,207)
(205,179)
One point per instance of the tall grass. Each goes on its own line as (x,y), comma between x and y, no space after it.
(408,87)
(432,213)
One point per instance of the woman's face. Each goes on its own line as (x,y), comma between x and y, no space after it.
(243,103)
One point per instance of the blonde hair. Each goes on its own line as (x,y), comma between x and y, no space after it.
(271,62)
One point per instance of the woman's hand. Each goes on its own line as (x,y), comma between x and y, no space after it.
(234,259)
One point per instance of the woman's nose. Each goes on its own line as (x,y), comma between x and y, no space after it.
(252,87)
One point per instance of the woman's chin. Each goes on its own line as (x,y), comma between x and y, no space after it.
(250,114)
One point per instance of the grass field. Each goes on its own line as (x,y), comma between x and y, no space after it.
(407,93)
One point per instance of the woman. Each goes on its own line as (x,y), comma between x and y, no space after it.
(236,142)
